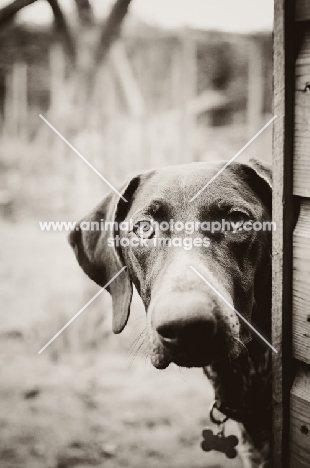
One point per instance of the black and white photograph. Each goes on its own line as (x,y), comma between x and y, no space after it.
(155,233)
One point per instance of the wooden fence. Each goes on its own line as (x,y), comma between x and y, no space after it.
(291,246)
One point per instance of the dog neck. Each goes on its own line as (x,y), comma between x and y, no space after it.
(243,386)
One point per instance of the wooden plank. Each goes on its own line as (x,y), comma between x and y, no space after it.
(302,10)
(283,216)
(176,92)
(301,286)
(57,76)
(22,77)
(256,85)
(188,74)
(127,80)
(300,419)
(302,120)
(16,102)
(300,394)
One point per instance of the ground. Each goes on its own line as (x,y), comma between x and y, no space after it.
(86,401)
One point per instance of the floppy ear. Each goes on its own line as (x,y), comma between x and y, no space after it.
(99,260)
(258,175)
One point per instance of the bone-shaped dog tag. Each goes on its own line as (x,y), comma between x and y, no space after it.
(219,442)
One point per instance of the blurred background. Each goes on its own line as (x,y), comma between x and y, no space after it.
(132,85)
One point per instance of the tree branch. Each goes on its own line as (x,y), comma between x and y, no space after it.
(63,28)
(8,12)
(111,28)
(85,12)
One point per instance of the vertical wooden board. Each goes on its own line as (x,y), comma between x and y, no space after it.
(126,78)
(57,76)
(255,100)
(23,100)
(15,105)
(300,419)
(283,214)
(302,120)
(300,393)
(189,91)
(302,10)
(301,286)
(176,94)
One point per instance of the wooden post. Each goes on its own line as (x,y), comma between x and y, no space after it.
(127,80)
(283,215)
(57,98)
(8,123)
(256,87)
(122,74)
(16,102)
(143,70)
(300,394)
(188,75)
(57,74)
(22,90)
(176,93)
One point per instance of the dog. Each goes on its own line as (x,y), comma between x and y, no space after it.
(189,323)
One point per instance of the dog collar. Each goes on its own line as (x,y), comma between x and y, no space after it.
(238,415)
(216,439)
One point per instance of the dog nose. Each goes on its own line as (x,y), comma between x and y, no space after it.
(184,320)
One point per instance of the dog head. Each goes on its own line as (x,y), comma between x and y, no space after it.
(189,320)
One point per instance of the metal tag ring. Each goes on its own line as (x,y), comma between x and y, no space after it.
(212,417)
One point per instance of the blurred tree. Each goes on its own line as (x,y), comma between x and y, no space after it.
(8,12)
(110,30)
(85,45)
(62,28)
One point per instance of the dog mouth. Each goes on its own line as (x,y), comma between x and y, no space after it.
(199,356)
(161,356)
(188,361)
(163,360)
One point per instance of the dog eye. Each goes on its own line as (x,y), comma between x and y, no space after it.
(237,218)
(144,229)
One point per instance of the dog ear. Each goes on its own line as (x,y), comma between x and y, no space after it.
(258,175)
(100,261)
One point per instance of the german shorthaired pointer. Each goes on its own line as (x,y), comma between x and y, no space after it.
(188,323)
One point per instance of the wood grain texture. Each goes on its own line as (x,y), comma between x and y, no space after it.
(301,285)
(302,120)
(300,393)
(283,215)
(302,10)
(300,419)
